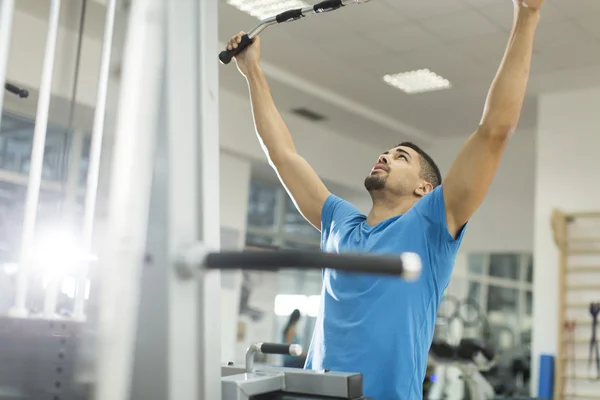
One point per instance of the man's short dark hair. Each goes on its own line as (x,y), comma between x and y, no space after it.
(429,170)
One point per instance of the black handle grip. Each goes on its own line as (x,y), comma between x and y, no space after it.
(328,5)
(227,55)
(276,348)
(22,93)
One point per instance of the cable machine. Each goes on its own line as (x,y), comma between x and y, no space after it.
(154,320)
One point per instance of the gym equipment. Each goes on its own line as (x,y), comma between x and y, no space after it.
(594,310)
(287,16)
(22,93)
(467,312)
(153,311)
(455,315)
(271,383)
(471,357)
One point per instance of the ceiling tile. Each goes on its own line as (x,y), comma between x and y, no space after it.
(315,28)
(481,3)
(565,80)
(459,25)
(578,8)
(442,60)
(366,17)
(487,49)
(541,64)
(590,25)
(406,37)
(352,43)
(377,67)
(502,13)
(561,34)
(420,9)
(575,57)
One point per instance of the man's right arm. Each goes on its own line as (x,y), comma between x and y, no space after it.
(299,179)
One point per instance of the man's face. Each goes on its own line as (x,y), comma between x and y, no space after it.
(396,170)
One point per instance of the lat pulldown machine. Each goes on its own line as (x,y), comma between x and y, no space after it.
(158,331)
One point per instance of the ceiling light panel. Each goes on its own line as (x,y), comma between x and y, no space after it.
(419,81)
(262,9)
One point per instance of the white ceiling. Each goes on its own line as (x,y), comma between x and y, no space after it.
(338,60)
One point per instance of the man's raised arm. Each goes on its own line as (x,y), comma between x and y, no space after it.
(301,182)
(471,174)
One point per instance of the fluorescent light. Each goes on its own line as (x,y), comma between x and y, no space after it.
(262,9)
(419,81)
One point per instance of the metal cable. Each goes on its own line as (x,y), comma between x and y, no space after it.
(65,153)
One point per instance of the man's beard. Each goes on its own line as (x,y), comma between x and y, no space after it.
(375,182)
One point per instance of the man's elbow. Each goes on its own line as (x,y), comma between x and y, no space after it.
(281,157)
(496,131)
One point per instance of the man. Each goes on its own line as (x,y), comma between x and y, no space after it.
(381,326)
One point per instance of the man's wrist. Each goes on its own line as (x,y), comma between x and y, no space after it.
(254,69)
(525,13)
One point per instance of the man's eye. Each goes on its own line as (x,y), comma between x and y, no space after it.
(402,158)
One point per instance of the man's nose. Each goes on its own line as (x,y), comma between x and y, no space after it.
(383,159)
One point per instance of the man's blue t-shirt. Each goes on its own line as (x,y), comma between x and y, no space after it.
(382,326)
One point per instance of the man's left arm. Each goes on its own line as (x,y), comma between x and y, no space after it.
(471,174)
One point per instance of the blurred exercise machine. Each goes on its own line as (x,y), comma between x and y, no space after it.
(270,383)
(150,329)
(471,357)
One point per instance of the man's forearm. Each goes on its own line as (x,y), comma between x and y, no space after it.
(507,93)
(270,127)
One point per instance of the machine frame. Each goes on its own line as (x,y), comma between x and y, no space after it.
(167,147)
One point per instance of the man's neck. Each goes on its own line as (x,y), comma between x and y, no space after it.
(385,207)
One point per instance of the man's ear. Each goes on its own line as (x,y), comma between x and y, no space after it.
(423,189)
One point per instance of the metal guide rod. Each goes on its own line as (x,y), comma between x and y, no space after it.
(7,8)
(121,261)
(95,155)
(182,91)
(36,163)
(210,222)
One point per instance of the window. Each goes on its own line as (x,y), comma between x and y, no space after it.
(273,219)
(16,143)
(54,214)
(502,299)
(476,262)
(505,265)
(502,285)
(262,206)
(295,224)
(285,304)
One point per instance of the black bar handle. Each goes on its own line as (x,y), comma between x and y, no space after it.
(279,348)
(407,265)
(328,5)
(288,16)
(22,93)
(227,55)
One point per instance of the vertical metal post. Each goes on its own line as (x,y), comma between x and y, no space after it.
(131,179)
(7,8)
(95,154)
(37,159)
(72,185)
(181,88)
(208,158)
(193,211)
